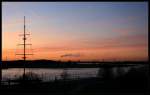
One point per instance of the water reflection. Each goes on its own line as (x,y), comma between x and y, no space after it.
(49,74)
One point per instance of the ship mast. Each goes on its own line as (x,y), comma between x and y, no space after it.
(24,48)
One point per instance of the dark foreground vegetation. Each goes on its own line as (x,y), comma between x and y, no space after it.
(64,64)
(135,82)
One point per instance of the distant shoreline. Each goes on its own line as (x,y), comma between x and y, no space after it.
(69,64)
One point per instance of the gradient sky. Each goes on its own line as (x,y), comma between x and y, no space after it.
(77,30)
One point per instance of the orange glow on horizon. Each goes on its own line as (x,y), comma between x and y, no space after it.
(91,31)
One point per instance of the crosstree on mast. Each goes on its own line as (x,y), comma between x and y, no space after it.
(24,44)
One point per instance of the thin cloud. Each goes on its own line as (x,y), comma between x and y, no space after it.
(71,55)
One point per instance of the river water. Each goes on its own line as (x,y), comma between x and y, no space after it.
(50,74)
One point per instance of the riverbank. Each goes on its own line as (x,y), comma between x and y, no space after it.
(136,81)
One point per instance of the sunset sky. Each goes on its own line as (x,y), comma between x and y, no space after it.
(77,30)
